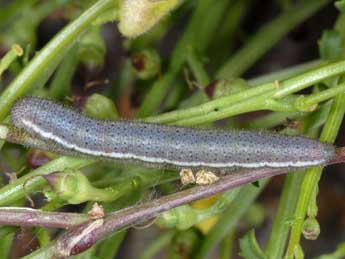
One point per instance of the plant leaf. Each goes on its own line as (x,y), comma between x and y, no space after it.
(249,247)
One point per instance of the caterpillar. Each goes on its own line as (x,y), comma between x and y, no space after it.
(163,146)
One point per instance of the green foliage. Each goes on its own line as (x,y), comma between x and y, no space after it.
(146,63)
(340,4)
(139,16)
(250,248)
(311,229)
(91,48)
(209,91)
(339,253)
(100,107)
(330,45)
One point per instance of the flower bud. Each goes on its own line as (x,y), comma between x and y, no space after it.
(146,63)
(311,229)
(100,107)
(139,16)
(72,187)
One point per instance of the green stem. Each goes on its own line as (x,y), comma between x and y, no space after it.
(227,245)
(7,243)
(42,235)
(230,217)
(107,248)
(280,229)
(197,68)
(30,182)
(312,176)
(224,39)
(255,103)
(7,13)
(87,192)
(222,107)
(46,252)
(221,204)
(267,37)
(157,245)
(305,103)
(272,120)
(186,216)
(59,88)
(48,56)
(15,52)
(285,73)
(197,34)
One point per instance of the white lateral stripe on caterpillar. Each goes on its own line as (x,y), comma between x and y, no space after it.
(57,139)
(157,145)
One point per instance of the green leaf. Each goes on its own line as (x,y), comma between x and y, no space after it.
(340,5)
(330,45)
(249,247)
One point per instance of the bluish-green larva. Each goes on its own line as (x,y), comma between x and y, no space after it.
(160,146)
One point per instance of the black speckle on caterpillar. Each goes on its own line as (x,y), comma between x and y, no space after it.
(164,146)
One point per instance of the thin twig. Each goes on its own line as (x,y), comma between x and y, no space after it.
(27,217)
(86,233)
(126,217)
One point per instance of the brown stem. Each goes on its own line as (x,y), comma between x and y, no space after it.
(13,216)
(88,234)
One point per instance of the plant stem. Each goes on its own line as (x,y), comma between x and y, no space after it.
(49,55)
(61,83)
(32,181)
(227,245)
(25,217)
(230,217)
(222,107)
(7,13)
(86,235)
(285,73)
(15,52)
(198,34)
(280,228)
(224,39)
(304,103)
(272,120)
(157,245)
(197,68)
(108,248)
(312,176)
(76,188)
(187,216)
(267,37)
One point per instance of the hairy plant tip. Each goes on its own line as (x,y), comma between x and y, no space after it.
(139,16)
